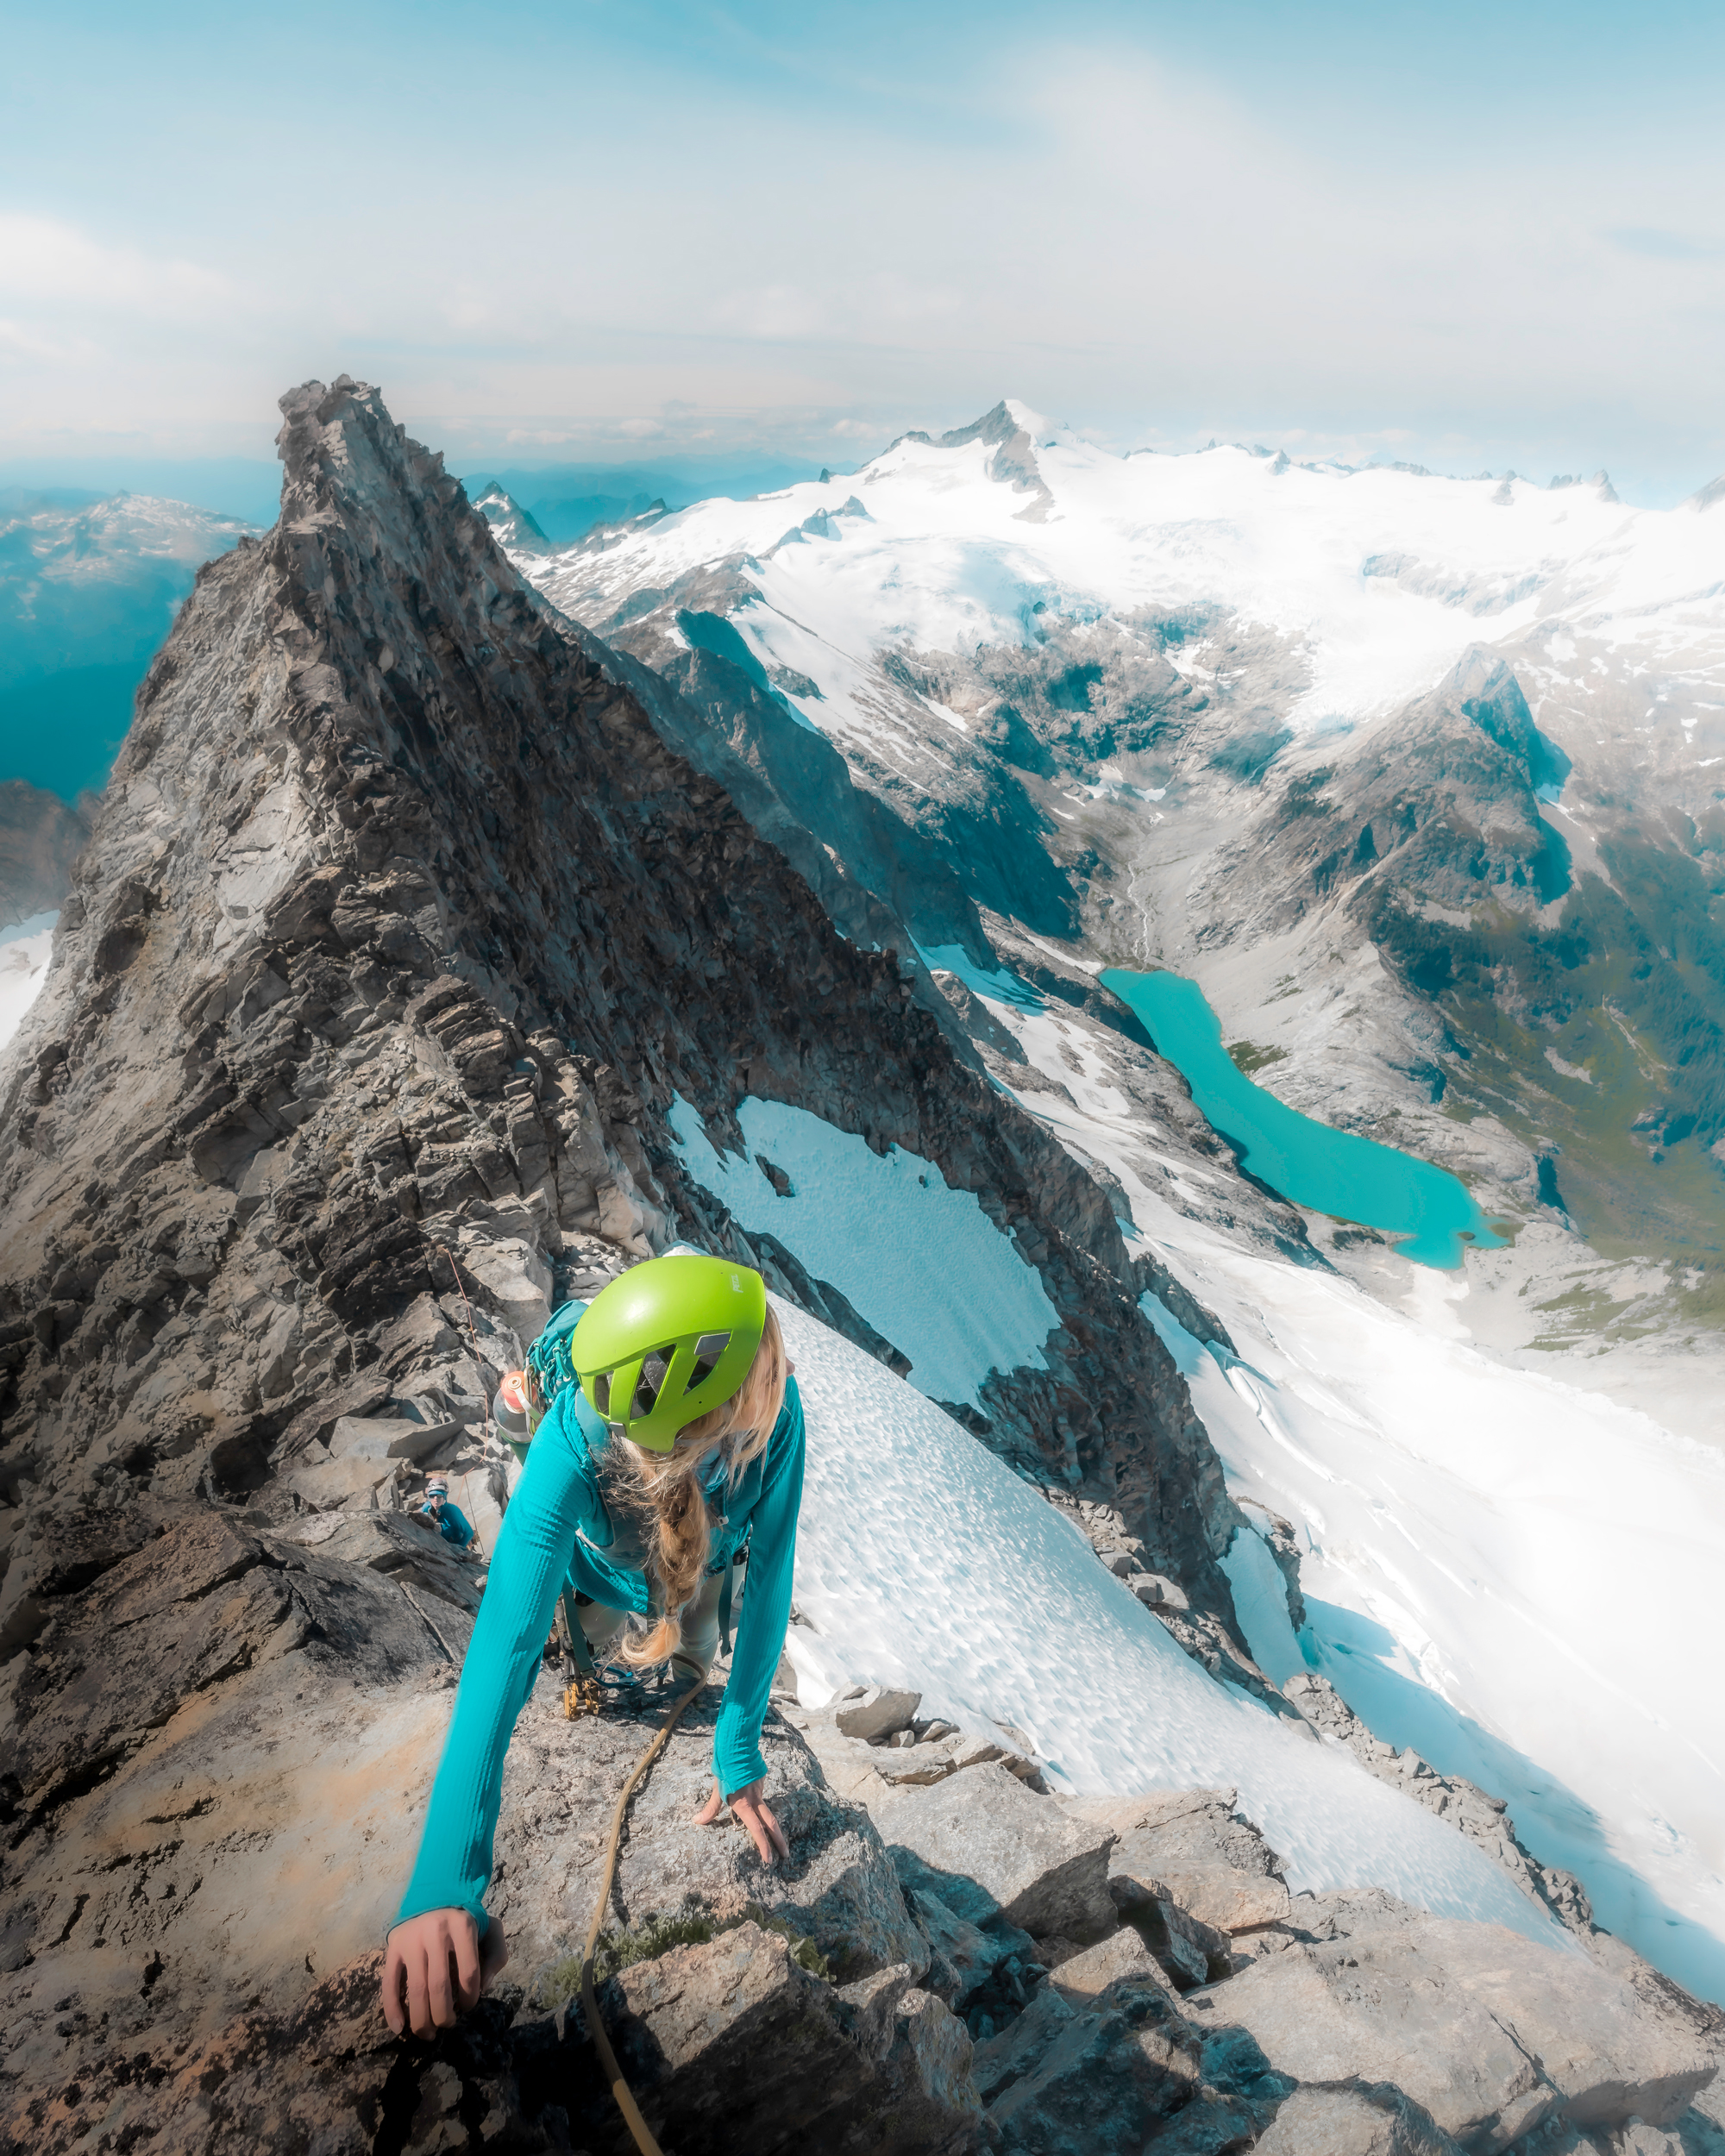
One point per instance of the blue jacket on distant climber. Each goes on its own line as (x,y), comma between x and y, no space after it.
(451,1522)
(669,1431)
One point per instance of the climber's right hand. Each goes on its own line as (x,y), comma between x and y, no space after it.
(434,1968)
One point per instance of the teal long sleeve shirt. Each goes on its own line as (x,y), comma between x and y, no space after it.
(557,1498)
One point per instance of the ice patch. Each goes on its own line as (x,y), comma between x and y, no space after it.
(1002,986)
(1261,1604)
(924,1264)
(923,1560)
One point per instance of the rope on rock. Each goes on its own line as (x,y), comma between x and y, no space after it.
(619,2088)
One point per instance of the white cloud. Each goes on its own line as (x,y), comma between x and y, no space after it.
(45,261)
(1073,225)
(23,341)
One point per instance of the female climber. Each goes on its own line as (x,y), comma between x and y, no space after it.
(679,1435)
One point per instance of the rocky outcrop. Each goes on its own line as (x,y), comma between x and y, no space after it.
(1494,2038)
(212,1742)
(1188,1849)
(994,1852)
(190,1968)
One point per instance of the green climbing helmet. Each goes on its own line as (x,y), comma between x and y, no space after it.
(669,1342)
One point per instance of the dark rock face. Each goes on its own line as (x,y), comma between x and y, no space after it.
(399,910)
(1442,811)
(40,839)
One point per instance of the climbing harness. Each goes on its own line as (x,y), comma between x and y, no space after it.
(584,1694)
(738,1556)
(592,1689)
(619,2088)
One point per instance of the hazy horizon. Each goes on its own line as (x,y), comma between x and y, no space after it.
(1461,239)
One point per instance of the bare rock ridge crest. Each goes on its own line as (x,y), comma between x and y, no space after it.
(373,793)
(411,908)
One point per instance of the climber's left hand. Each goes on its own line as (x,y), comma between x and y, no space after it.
(758,1816)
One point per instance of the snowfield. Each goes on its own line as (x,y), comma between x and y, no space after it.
(25,950)
(1498,1570)
(923,1560)
(1375,581)
(882,1230)
(1518,1578)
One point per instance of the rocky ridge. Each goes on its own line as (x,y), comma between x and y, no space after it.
(431,943)
(942,1967)
(399,927)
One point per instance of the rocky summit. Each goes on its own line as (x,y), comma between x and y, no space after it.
(416,934)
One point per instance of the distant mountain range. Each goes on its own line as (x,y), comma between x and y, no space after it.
(1422,779)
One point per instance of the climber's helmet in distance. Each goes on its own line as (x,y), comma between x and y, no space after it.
(668,1343)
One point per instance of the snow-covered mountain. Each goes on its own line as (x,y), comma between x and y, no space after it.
(1418,777)
(514,527)
(1249,718)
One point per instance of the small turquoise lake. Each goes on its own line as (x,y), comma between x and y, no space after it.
(1426,1208)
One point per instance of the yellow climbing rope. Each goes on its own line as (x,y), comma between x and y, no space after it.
(619,2088)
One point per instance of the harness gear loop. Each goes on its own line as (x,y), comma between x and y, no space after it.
(583,1695)
(619,2088)
(738,1556)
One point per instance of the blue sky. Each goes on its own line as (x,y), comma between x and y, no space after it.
(1471,237)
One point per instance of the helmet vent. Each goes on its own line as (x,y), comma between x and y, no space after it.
(602,1391)
(653,1373)
(708,1349)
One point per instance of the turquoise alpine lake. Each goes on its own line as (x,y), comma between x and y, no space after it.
(1326,1171)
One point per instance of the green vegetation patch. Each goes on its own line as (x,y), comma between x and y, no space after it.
(1247,1056)
(691,1926)
(1628,989)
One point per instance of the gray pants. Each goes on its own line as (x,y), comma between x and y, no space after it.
(693,1658)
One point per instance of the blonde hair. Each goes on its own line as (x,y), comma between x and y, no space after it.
(667,1488)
